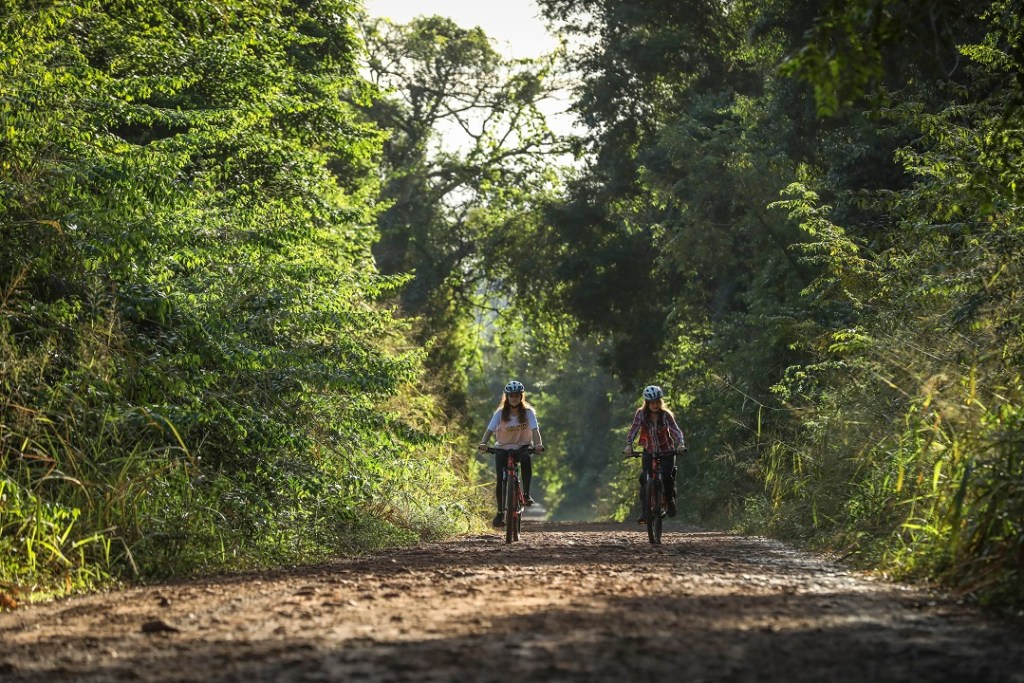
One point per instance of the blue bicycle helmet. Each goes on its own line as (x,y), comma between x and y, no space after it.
(652,393)
(514,387)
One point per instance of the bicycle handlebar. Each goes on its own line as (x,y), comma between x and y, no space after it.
(677,451)
(521,449)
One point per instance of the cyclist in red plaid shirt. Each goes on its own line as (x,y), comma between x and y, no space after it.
(658,432)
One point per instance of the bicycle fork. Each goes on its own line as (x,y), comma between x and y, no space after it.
(514,480)
(511,478)
(648,502)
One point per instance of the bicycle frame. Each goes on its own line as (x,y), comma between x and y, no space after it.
(654,495)
(515,500)
(655,472)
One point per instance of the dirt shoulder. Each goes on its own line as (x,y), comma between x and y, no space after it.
(591,602)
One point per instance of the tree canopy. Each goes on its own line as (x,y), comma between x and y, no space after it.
(818,207)
(263,265)
(197,368)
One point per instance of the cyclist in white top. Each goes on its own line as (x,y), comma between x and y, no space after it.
(513,424)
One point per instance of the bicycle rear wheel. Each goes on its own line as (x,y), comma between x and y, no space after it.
(511,508)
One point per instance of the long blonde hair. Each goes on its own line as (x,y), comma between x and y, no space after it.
(506,409)
(649,414)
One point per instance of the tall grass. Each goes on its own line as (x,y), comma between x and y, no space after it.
(83,509)
(925,484)
(193,348)
(95,490)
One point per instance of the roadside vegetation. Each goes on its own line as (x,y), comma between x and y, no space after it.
(255,305)
(805,222)
(200,369)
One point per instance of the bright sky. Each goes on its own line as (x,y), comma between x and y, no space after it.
(514,24)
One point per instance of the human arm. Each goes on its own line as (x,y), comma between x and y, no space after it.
(633,429)
(535,438)
(492,427)
(676,432)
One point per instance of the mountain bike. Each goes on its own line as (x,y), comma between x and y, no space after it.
(512,491)
(655,501)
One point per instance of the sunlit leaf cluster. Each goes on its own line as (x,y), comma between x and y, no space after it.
(197,370)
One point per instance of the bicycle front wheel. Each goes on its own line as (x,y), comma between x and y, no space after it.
(511,508)
(519,518)
(654,499)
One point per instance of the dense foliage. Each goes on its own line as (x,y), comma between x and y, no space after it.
(196,370)
(804,220)
(467,161)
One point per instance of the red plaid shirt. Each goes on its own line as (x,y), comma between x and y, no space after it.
(661,433)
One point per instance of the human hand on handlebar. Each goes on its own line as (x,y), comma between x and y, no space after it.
(628,450)
(539,448)
(482,447)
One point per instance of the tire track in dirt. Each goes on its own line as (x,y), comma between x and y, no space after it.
(571,602)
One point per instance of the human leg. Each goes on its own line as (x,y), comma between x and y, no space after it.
(499,469)
(526,468)
(668,475)
(645,472)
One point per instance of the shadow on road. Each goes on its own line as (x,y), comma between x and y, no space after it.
(684,638)
(571,602)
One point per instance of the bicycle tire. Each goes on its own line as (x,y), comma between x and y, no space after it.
(659,510)
(655,500)
(511,505)
(651,511)
(519,517)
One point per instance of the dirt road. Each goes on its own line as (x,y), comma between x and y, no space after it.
(571,602)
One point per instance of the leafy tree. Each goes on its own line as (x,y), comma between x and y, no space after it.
(935,341)
(693,272)
(195,359)
(466,162)
(884,290)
